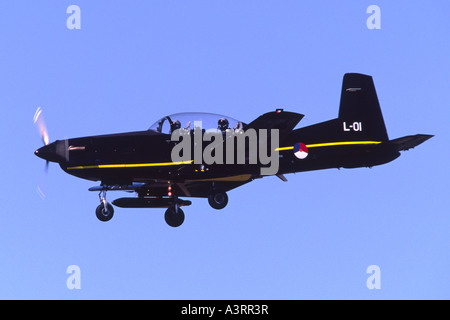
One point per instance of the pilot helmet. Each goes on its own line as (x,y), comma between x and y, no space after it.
(175,125)
(223,124)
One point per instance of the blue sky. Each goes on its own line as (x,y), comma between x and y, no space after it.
(133,62)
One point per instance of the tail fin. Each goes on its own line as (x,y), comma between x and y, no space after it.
(359,110)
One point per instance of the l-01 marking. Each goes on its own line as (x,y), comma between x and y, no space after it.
(356,126)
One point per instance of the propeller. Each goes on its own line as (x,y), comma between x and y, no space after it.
(38,120)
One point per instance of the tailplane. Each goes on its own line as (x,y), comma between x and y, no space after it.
(409,142)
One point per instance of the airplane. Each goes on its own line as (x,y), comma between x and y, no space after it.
(141,162)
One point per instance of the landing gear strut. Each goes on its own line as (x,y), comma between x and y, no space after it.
(105,210)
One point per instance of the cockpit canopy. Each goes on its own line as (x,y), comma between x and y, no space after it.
(190,120)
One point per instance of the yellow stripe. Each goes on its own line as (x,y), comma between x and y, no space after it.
(135,165)
(343,143)
(141,165)
(329,144)
(284,148)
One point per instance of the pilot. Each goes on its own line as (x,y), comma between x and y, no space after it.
(223,124)
(238,127)
(175,125)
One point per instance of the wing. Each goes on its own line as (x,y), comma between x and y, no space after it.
(202,189)
(189,188)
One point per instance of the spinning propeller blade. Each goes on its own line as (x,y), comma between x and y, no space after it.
(39,122)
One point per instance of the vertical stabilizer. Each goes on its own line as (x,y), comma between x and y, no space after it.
(359,110)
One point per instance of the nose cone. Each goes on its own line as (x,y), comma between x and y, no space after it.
(48,152)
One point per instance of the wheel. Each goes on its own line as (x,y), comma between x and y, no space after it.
(218,200)
(174,218)
(104,215)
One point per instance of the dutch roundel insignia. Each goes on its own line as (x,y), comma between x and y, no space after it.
(300,150)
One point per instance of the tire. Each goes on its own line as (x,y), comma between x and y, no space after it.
(218,200)
(173,218)
(104,215)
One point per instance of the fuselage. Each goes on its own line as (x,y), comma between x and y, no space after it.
(145,156)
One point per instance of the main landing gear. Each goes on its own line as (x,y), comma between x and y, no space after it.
(218,200)
(174,216)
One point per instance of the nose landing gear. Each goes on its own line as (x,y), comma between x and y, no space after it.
(105,210)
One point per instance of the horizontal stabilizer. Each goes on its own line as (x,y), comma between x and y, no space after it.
(409,142)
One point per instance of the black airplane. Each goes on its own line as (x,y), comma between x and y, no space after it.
(141,162)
